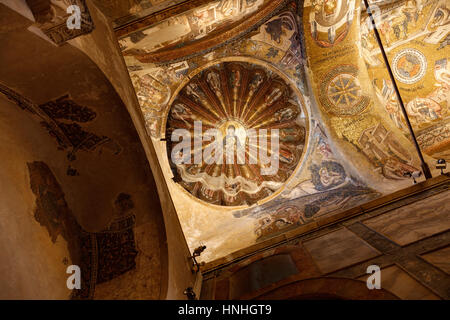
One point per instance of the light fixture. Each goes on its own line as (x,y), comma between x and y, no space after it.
(197,253)
(189,292)
(441,164)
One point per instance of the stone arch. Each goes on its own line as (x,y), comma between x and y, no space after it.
(75,175)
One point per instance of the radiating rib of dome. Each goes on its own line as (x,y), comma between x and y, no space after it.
(246,96)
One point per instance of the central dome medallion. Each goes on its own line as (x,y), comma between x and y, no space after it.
(235,133)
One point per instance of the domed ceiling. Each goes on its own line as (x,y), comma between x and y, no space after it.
(250,108)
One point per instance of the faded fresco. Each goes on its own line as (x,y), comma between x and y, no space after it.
(342,147)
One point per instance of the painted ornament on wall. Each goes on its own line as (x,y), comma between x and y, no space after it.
(415,35)
(248,108)
(384,151)
(151,92)
(341,93)
(324,188)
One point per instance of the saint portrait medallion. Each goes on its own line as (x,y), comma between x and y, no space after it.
(409,66)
